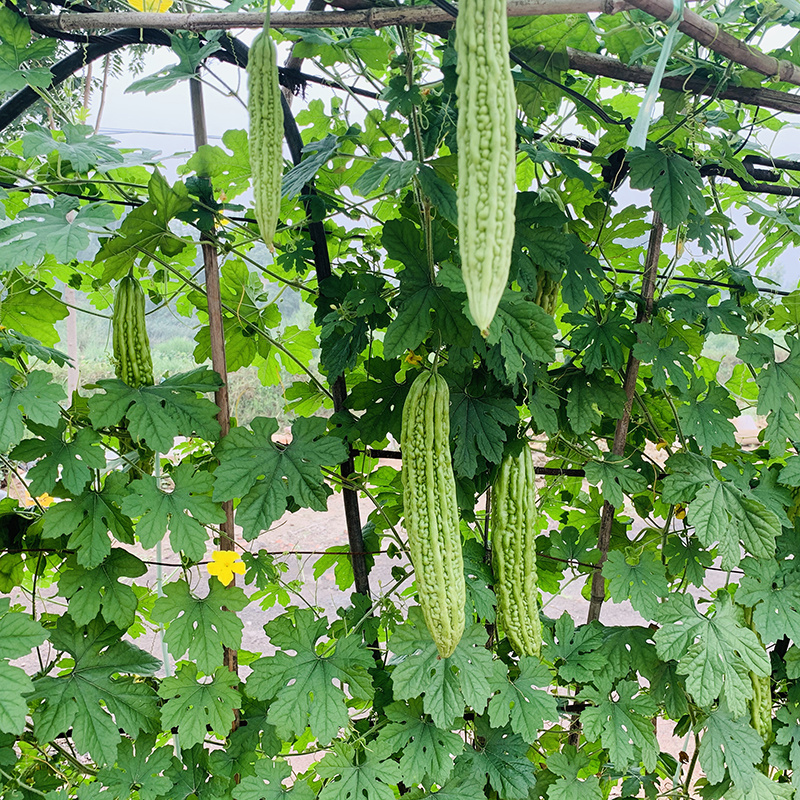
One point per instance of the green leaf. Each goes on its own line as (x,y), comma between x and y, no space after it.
(267,784)
(639,578)
(462,787)
(447,685)
(160,510)
(420,296)
(17,48)
(350,777)
(602,343)
(715,653)
(772,590)
(191,50)
(70,462)
(229,171)
(63,230)
(92,591)
(616,476)
(82,148)
(590,398)
(15,686)
(671,363)
(541,154)
(476,423)
(157,414)
(19,634)
(676,183)
(779,398)
(721,513)
(146,229)
(730,743)
(524,333)
(441,194)
(426,752)
(522,704)
(138,770)
(191,705)
(302,684)
(32,396)
(32,309)
(265,474)
(708,420)
(622,722)
(381,399)
(569,764)
(86,696)
(502,758)
(399,174)
(201,626)
(575,651)
(88,519)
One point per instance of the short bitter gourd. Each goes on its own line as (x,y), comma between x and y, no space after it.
(266,132)
(513,530)
(431,510)
(133,362)
(486,154)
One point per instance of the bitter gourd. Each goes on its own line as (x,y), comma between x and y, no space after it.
(133,362)
(431,510)
(547,286)
(513,531)
(266,132)
(486,154)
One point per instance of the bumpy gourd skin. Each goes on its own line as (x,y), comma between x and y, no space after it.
(486,154)
(266,133)
(513,518)
(431,510)
(132,359)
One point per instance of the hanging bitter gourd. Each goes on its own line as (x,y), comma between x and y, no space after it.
(486,154)
(513,531)
(431,510)
(547,285)
(133,362)
(266,132)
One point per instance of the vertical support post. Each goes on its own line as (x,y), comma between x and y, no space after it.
(217,335)
(598,592)
(322,264)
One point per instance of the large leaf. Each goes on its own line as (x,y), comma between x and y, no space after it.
(86,697)
(266,474)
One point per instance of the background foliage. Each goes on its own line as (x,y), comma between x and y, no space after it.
(112,682)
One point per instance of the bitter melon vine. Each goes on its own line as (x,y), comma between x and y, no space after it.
(266,132)
(486,149)
(513,529)
(431,510)
(133,362)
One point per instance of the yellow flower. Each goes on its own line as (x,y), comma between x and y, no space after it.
(413,358)
(680,511)
(224,564)
(45,501)
(159,6)
(661,444)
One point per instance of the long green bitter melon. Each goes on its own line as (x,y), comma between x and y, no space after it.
(486,154)
(513,531)
(431,510)
(133,362)
(266,132)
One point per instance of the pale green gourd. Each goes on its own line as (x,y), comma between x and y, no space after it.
(486,154)
(513,531)
(133,361)
(431,510)
(266,132)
